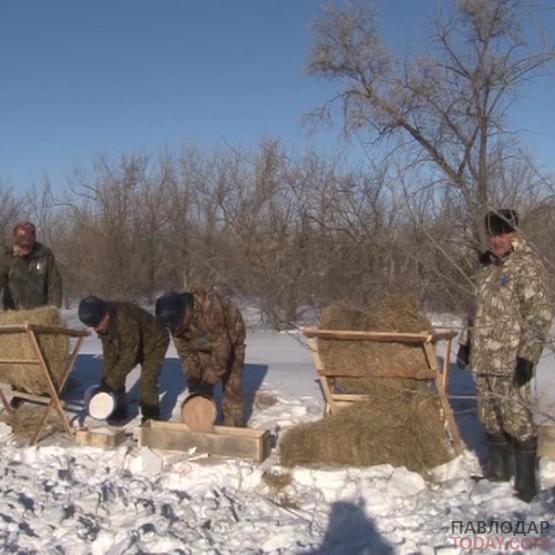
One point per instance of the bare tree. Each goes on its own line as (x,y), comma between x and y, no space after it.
(448,106)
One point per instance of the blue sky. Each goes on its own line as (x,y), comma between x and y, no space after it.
(81,77)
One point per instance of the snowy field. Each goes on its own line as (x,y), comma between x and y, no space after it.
(58,498)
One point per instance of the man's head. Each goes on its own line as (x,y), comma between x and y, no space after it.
(174,311)
(501,227)
(24,238)
(93,312)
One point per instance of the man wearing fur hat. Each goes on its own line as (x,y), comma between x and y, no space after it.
(511,323)
(129,336)
(209,335)
(28,272)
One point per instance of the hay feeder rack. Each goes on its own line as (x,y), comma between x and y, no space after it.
(54,390)
(334,400)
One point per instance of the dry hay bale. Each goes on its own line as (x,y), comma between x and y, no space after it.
(16,346)
(402,433)
(394,314)
(25,421)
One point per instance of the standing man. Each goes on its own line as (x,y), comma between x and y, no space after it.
(28,272)
(209,335)
(511,323)
(129,336)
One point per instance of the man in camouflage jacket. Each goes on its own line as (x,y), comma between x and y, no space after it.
(510,326)
(28,272)
(209,335)
(129,336)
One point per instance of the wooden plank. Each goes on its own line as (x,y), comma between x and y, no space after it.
(22,328)
(39,399)
(60,330)
(360,372)
(450,421)
(224,442)
(367,335)
(103,437)
(19,361)
(395,337)
(350,397)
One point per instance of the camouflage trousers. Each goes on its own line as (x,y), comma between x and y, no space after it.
(502,407)
(151,365)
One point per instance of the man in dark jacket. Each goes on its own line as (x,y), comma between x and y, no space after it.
(209,335)
(28,272)
(129,336)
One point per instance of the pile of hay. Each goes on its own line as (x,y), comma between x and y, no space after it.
(25,421)
(16,346)
(394,314)
(367,434)
(401,423)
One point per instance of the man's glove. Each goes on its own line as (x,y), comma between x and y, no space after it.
(524,372)
(105,388)
(200,387)
(463,356)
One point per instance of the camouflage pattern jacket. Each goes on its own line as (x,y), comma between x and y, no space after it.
(513,312)
(30,281)
(133,336)
(216,331)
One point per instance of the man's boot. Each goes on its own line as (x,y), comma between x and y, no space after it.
(120,411)
(525,464)
(499,458)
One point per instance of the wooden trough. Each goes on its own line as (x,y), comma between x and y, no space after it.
(224,441)
(432,371)
(100,437)
(51,399)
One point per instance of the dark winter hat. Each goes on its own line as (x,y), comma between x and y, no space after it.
(170,309)
(92,310)
(501,221)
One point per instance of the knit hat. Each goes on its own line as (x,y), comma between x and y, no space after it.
(170,309)
(92,310)
(501,221)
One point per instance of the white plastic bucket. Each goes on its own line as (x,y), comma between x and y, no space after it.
(100,404)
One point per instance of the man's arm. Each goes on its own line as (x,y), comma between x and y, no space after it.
(536,312)
(218,341)
(54,283)
(4,268)
(120,356)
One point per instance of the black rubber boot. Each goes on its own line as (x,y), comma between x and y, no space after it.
(525,464)
(120,412)
(499,458)
(149,412)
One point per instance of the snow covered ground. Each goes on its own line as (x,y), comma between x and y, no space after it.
(59,498)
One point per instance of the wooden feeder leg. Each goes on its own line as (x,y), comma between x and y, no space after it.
(431,355)
(447,364)
(54,398)
(328,395)
(4,401)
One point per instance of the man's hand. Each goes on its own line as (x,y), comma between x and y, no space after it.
(524,372)
(463,356)
(104,387)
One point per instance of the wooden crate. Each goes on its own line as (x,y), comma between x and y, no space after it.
(100,437)
(546,441)
(244,443)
